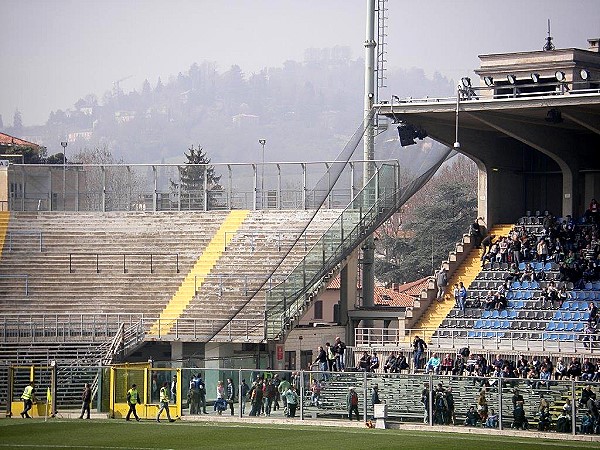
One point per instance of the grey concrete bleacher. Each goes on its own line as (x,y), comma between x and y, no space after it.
(255,251)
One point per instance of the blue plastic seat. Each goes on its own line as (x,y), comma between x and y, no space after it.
(559,326)
(581,295)
(505,324)
(588,286)
(478,324)
(495,314)
(566,337)
(516,285)
(535,285)
(510,295)
(548,266)
(527,295)
(518,295)
(537,266)
(525,284)
(583,306)
(579,327)
(521,266)
(512,314)
(596,285)
(569,326)
(486,314)
(503,314)
(551,326)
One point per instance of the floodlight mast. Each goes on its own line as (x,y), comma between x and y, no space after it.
(368,247)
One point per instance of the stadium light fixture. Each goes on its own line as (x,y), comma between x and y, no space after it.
(511,79)
(489,81)
(584,74)
(466,82)
(535,77)
(559,75)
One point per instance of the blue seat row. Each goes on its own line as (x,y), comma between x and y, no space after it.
(559,337)
(575,305)
(495,314)
(584,295)
(538,266)
(519,295)
(485,334)
(525,285)
(493,324)
(571,315)
(561,326)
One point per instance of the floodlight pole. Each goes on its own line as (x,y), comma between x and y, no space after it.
(262,176)
(368,247)
(64,146)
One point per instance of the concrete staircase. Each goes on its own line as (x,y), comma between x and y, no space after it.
(4,217)
(465,272)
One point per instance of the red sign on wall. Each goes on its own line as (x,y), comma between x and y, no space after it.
(280,353)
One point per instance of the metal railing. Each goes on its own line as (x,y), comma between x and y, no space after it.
(502,91)
(12,233)
(96,256)
(486,339)
(31,328)
(158,187)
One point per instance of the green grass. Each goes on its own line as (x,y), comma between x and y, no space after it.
(116,435)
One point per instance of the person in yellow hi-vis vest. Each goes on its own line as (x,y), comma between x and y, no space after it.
(133,399)
(28,397)
(164,402)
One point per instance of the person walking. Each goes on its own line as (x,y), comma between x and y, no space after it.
(28,397)
(352,403)
(441,279)
(462,296)
(86,400)
(230,389)
(419,346)
(132,400)
(292,401)
(164,402)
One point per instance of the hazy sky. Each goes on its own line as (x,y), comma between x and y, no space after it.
(54,52)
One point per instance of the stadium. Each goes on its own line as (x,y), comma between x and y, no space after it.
(116,275)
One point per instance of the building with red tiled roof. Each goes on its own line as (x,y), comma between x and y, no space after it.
(8,142)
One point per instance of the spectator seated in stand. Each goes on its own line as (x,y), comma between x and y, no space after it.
(549,295)
(587,424)
(447,364)
(492,419)
(528,273)
(514,274)
(490,301)
(501,301)
(563,423)
(544,420)
(391,364)
(433,365)
(574,369)
(459,365)
(401,363)
(472,417)
(588,370)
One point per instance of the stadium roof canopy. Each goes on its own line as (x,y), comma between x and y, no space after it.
(532,127)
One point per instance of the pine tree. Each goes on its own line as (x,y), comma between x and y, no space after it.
(192,177)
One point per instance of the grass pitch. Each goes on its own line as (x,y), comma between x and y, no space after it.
(148,435)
